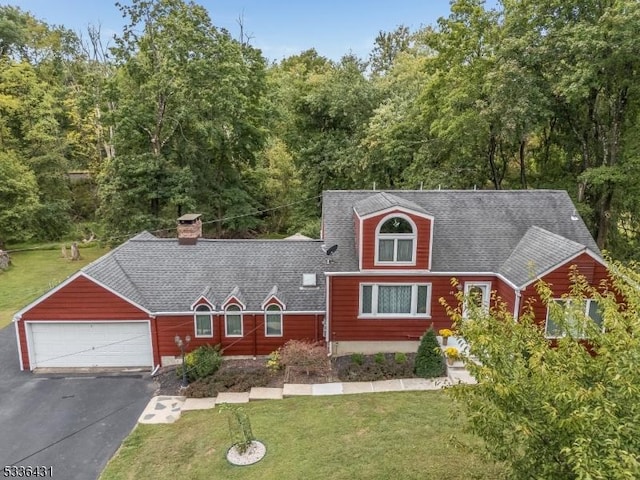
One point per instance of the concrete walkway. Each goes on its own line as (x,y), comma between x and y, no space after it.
(167,409)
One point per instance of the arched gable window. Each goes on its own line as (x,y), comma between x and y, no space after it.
(273,321)
(203,321)
(396,240)
(233,321)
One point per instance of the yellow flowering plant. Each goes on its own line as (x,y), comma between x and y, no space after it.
(445,332)
(452,353)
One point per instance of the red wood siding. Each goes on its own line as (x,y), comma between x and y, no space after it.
(344,308)
(505,293)
(83,299)
(423,240)
(253,342)
(560,283)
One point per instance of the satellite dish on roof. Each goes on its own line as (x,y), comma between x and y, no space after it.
(332,249)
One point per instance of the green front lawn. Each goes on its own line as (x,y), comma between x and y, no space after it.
(33,273)
(400,435)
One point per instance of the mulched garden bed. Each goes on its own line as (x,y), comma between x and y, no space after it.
(369,368)
(241,375)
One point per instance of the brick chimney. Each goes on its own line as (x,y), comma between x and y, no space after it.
(189,229)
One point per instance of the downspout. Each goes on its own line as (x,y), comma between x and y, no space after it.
(326,317)
(516,307)
(255,337)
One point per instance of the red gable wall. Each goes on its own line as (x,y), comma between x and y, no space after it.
(82,299)
(423,239)
(560,283)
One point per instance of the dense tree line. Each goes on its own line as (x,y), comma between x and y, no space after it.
(178,115)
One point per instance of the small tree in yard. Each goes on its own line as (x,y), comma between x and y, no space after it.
(567,410)
(429,359)
(306,355)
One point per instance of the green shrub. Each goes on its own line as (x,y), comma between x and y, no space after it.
(379,358)
(400,358)
(201,362)
(357,358)
(429,359)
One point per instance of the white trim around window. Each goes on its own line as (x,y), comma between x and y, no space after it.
(235,316)
(590,310)
(273,321)
(396,238)
(203,321)
(485,288)
(395,300)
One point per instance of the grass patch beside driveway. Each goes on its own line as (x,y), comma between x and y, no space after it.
(33,273)
(402,435)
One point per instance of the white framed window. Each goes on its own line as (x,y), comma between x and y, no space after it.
(477,294)
(203,320)
(573,327)
(233,321)
(273,321)
(396,241)
(395,300)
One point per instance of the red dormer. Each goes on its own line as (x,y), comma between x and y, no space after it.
(392,234)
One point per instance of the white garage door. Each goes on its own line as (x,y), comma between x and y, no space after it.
(79,344)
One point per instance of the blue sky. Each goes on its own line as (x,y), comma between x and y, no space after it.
(280,28)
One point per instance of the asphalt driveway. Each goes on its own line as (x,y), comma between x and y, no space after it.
(71,423)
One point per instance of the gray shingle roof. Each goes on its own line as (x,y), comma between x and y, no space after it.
(537,251)
(383,200)
(163,276)
(473,231)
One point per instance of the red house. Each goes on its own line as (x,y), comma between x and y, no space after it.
(372,283)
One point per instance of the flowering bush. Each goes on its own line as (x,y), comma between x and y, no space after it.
(273,362)
(445,332)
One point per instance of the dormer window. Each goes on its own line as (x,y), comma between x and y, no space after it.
(273,321)
(203,321)
(233,321)
(396,240)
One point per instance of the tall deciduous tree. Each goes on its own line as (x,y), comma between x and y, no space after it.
(19,202)
(564,411)
(187,118)
(587,52)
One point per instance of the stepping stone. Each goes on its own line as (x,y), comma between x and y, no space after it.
(232,397)
(263,393)
(326,389)
(198,404)
(357,387)
(296,389)
(162,409)
(387,386)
